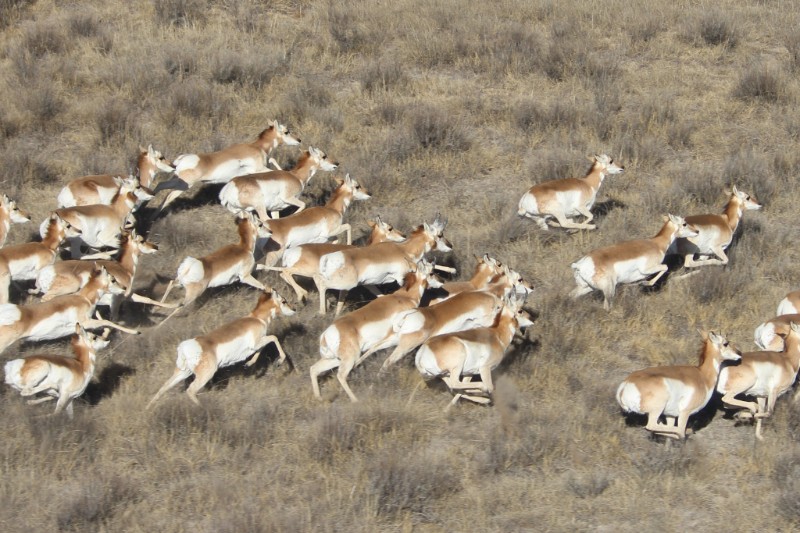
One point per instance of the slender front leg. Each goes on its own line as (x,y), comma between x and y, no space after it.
(262,343)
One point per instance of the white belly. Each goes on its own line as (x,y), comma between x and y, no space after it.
(54,327)
(235,351)
(25,268)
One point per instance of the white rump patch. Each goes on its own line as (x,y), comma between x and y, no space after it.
(190,271)
(46,277)
(629,397)
(330,263)
(9,313)
(185,162)
(13,371)
(426,363)
(189,352)
(408,322)
(65,198)
(290,257)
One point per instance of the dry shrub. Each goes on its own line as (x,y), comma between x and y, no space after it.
(530,115)
(647,27)
(10,11)
(199,100)
(344,27)
(787,478)
(116,122)
(751,171)
(718,27)
(436,129)
(382,75)
(792,43)
(412,481)
(514,48)
(588,484)
(180,13)
(84,24)
(306,102)
(763,83)
(247,68)
(46,37)
(90,503)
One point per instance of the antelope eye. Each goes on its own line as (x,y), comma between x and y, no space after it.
(725,344)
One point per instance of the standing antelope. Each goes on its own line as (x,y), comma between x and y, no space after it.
(471,352)
(567,197)
(715,232)
(303,260)
(315,224)
(9,212)
(227,345)
(221,267)
(67,277)
(101,226)
(677,392)
(25,261)
(769,335)
(102,189)
(226,164)
(354,336)
(59,377)
(765,375)
(380,263)
(57,318)
(274,190)
(466,310)
(628,262)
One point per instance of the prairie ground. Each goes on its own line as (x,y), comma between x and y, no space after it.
(435,106)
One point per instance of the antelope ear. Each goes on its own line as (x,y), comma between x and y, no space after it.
(339,181)
(735,190)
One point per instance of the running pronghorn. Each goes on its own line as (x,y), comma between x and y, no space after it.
(471,352)
(486,269)
(24,261)
(274,190)
(355,336)
(9,212)
(790,305)
(676,392)
(67,277)
(628,262)
(102,189)
(226,164)
(57,318)
(769,335)
(221,267)
(380,263)
(466,310)
(227,345)
(304,260)
(715,232)
(765,375)
(100,226)
(58,377)
(569,197)
(315,224)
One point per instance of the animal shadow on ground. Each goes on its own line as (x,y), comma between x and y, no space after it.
(697,421)
(602,209)
(107,382)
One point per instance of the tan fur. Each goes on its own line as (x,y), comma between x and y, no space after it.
(9,212)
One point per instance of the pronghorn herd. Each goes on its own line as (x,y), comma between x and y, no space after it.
(460,334)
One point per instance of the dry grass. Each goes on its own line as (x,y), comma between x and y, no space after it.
(447,106)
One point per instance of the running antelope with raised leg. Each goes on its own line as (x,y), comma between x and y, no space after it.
(226,164)
(103,188)
(764,375)
(57,318)
(353,337)
(380,263)
(676,392)
(628,262)
(715,232)
(227,345)
(304,260)
(272,191)
(58,377)
(570,197)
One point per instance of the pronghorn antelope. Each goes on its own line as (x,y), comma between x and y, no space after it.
(67,277)
(274,190)
(790,305)
(466,310)
(471,352)
(227,345)
(354,336)
(57,318)
(221,267)
(570,197)
(101,226)
(59,377)
(676,392)
(486,269)
(9,212)
(715,232)
(765,375)
(628,262)
(226,164)
(102,189)
(380,263)
(315,224)
(769,335)
(25,261)
(304,260)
